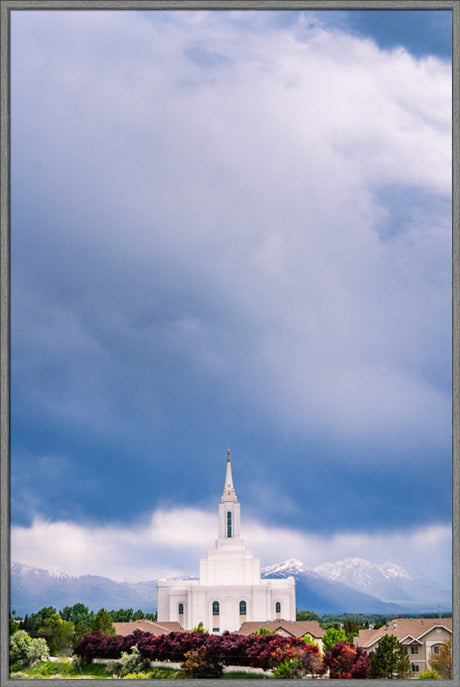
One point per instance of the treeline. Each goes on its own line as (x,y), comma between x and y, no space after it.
(351,623)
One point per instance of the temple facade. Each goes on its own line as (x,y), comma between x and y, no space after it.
(229,590)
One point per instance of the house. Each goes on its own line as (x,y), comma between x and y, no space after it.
(422,638)
(156,629)
(230,590)
(287,628)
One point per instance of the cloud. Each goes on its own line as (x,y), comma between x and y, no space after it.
(206,242)
(172,542)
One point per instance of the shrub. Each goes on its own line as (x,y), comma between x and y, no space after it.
(429,675)
(293,661)
(24,650)
(199,663)
(308,639)
(78,663)
(113,667)
(288,669)
(347,661)
(133,662)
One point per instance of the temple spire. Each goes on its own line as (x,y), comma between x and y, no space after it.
(229,489)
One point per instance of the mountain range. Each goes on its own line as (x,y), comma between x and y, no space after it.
(352,585)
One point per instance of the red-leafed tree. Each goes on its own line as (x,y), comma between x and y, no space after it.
(347,661)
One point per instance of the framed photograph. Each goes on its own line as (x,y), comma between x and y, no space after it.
(230,329)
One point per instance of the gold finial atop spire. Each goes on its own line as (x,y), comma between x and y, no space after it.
(228,453)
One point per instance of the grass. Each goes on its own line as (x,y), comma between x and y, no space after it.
(49,670)
(98,671)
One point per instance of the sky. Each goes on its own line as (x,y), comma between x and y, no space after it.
(230,228)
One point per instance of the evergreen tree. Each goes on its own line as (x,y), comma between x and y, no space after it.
(103,623)
(78,613)
(390,659)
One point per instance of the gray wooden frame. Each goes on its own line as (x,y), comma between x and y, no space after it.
(10,5)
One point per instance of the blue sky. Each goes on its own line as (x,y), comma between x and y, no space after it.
(230,227)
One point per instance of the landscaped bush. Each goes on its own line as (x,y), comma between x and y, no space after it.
(201,663)
(347,661)
(293,661)
(259,651)
(133,662)
(24,649)
(429,675)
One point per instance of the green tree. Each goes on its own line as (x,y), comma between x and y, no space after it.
(31,624)
(103,623)
(78,613)
(80,632)
(25,649)
(442,661)
(331,637)
(307,615)
(13,623)
(390,659)
(59,635)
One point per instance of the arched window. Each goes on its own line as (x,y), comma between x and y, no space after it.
(242,607)
(277,607)
(215,608)
(181,609)
(229,524)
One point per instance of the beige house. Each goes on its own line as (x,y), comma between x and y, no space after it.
(287,628)
(422,638)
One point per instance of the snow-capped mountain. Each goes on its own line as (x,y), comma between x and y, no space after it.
(387,581)
(33,588)
(353,585)
(317,593)
(290,567)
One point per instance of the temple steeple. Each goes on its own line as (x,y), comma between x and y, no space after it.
(229,512)
(229,490)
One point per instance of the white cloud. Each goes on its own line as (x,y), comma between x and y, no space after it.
(172,542)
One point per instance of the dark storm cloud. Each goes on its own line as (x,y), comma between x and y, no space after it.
(200,254)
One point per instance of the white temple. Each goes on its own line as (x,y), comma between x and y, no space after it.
(229,590)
